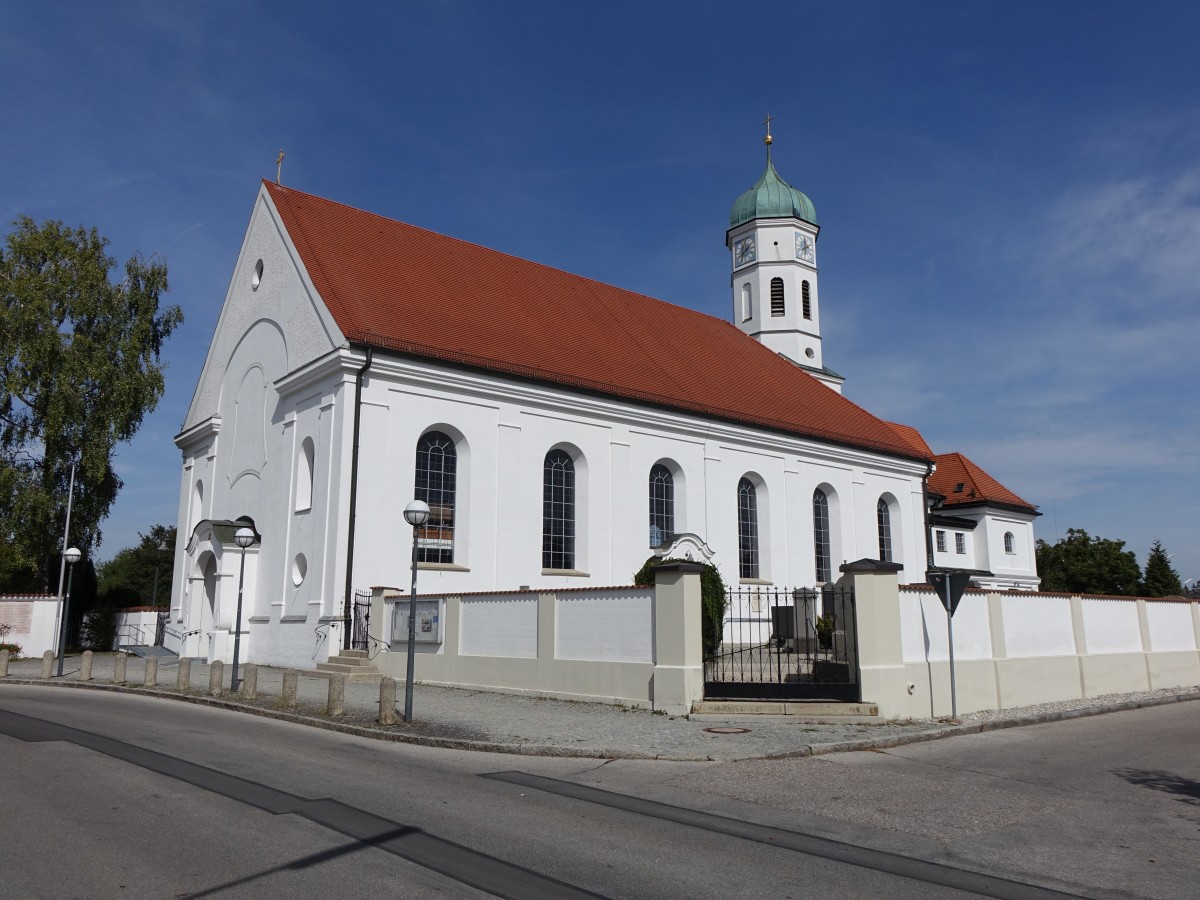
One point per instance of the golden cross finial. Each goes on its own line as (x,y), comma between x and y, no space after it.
(279,165)
(767,121)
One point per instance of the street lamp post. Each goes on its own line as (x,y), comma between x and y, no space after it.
(416,514)
(72,556)
(162,545)
(243,538)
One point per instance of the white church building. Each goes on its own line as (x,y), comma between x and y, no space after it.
(561,431)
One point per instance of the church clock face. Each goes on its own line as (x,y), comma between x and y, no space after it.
(743,251)
(804,248)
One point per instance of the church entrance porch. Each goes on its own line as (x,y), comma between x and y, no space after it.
(780,643)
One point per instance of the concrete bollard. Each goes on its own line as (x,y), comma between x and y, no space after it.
(120,667)
(335,705)
(216,677)
(183,678)
(287,698)
(4,663)
(387,701)
(151,678)
(47,663)
(249,682)
(85,666)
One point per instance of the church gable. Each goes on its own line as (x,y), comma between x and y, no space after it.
(273,322)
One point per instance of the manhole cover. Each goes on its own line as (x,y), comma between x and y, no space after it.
(727,730)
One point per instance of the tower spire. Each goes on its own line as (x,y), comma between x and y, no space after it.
(768,140)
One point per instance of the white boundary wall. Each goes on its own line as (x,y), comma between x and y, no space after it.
(1016,648)
(635,646)
(33,619)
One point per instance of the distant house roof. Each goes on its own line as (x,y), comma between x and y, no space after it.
(398,287)
(962,483)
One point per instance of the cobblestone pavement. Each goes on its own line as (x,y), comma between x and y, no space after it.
(512,723)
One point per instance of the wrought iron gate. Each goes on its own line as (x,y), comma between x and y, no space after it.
(362,620)
(786,644)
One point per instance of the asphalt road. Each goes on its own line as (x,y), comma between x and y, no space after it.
(113,795)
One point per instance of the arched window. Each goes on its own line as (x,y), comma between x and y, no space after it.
(805,301)
(885,530)
(821,536)
(662,505)
(777,306)
(747,302)
(558,511)
(747,529)
(1008,542)
(437,463)
(304,475)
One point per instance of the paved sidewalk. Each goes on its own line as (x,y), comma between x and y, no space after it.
(512,723)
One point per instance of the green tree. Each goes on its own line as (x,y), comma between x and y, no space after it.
(713,600)
(80,364)
(1082,564)
(128,578)
(1161,579)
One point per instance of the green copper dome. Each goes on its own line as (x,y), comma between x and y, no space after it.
(771,198)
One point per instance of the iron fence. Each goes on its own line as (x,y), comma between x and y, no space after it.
(362,620)
(780,643)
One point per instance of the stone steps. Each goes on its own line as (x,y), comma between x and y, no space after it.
(797,712)
(354,664)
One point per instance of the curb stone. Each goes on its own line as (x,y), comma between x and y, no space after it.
(935,732)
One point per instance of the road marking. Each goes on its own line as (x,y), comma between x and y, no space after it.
(470,867)
(812,845)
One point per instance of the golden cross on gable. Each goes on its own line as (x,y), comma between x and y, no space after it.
(767,121)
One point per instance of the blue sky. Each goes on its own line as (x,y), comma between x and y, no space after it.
(1009,193)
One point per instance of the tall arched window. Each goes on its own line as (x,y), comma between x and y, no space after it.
(805,301)
(437,463)
(304,475)
(821,535)
(1008,542)
(558,511)
(662,505)
(884,515)
(747,302)
(777,305)
(747,529)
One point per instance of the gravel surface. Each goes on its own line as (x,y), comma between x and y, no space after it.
(514,723)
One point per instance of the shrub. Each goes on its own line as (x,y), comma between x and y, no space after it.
(99,629)
(826,625)
(14,650)
(713,600)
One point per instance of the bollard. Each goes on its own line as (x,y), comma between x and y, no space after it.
(249,682)
(85,666)
(47,663)
(387,701)
(4,663)
(287,699)
(151,678)
(336,704)
(216,675)
(183,678)
(120,665)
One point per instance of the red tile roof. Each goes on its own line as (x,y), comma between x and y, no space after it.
(977,486)
(397,287)
(912,437)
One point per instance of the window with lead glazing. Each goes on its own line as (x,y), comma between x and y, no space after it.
(662,505)
(558,511)
(1008,542)
(437,463)
(747,529)
(941,541)
(960,543)
(885,530)
(777,304)
(821,536)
